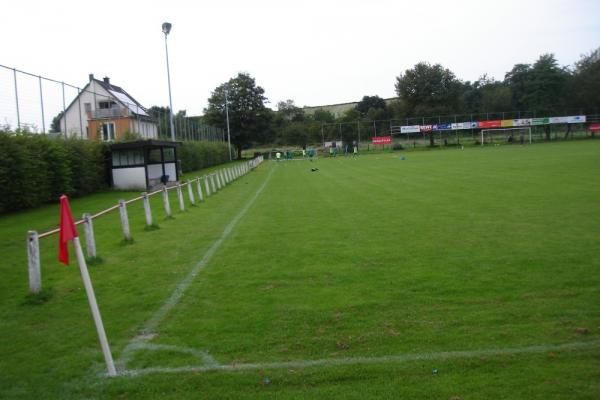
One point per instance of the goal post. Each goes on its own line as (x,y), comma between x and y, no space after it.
(507,135)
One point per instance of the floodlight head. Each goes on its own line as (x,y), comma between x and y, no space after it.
(166,28)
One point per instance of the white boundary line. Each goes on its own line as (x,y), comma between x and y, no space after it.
(147,332)
(328,362)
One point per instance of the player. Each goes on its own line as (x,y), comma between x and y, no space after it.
(278,156)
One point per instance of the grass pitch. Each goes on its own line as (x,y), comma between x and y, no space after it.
(466,274)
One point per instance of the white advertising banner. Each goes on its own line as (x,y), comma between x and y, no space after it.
(573,119)
(522,122)
(558,120)
(410,129)
(464,125)
(577,119)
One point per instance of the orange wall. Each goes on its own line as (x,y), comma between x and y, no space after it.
(122,125)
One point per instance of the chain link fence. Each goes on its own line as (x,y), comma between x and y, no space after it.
(100,110)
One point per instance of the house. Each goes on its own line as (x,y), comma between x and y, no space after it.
(103,111)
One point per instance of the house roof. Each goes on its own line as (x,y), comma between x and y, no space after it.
(124,98)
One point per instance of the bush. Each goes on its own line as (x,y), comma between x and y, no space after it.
(36,169)
(198,155)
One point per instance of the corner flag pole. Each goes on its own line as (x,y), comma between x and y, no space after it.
(69,232)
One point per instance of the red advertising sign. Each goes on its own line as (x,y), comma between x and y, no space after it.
(594,127)
(426,128)
(381,140)
(490,124)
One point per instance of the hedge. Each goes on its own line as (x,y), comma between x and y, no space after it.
(198,155)
(36,169)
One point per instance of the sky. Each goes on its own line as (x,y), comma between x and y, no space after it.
(313,52)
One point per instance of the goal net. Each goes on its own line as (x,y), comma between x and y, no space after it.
(520,135)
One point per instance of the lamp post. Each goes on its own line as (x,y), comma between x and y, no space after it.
(227,116)
(166,28)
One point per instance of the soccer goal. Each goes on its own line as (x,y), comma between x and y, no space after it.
(506,135)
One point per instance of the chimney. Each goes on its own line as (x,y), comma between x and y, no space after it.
(91,77)
(107,80)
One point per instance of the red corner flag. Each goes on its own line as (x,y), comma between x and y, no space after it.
(67,230)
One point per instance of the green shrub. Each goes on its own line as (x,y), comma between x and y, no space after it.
(198,155)
(36,169)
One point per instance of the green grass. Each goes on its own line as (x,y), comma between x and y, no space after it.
(493,248)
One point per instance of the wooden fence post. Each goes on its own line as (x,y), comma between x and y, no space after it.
(206,186)
(33,258)
(218,180)
(212,182)
(199,190)
(124,219)
(224,174)
(180,197)
(90,240)
(147,209)
(165,195)
(191,193)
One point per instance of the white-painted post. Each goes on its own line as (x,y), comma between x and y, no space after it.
(218,180)
(206,186)
(89,290)
(165,195)
(225,178)
(191,193)
(147,209)
(124,219)
(180,197)
(229,174)
(212,182)
(90,240)
(199,190)
(33,258)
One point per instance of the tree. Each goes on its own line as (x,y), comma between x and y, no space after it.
(288,111)
(546,86)
(584,89)
(323,116)
(248,117)
(429,90)
(55,125)
(370,102)
(517,80)
(540,87)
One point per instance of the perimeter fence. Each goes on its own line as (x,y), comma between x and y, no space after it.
(37,104)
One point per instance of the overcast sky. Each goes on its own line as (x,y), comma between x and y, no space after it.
(313,52)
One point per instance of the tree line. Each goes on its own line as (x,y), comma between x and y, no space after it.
(543,87)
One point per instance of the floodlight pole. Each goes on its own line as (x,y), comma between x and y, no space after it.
(227,117)
(166,28)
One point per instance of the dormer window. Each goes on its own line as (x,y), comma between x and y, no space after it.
(106,104)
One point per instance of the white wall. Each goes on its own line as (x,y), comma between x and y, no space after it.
(155,171)
(170,169)
(91,93)
(129,178)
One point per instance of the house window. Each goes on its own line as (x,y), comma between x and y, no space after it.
(124,158)
(106,104)
(108,131)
